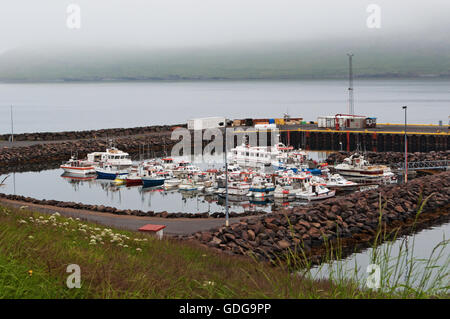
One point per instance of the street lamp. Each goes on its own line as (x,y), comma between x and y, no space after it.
(406,147)
(227,218)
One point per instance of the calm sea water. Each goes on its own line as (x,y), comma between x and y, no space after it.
(81,106)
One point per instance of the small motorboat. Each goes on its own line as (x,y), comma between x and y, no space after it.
(261,188)
(120,179)
(238,188)
(109,172)
(77,167)
(156,179)
(337,181)
(187,185)
(152,181)
(133,179)
(315,192)
(283,192)
(172,183)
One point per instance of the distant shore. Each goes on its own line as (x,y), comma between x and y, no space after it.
(178,78)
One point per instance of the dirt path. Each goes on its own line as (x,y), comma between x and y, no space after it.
(176,226)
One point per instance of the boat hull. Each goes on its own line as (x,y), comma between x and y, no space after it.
(361,173)
(133,181)
(152,182)
(108,175)
(312,196)
(78,170)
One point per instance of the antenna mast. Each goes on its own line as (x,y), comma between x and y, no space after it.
(351,109)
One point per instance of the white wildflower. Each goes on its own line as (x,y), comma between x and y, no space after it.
(208,283)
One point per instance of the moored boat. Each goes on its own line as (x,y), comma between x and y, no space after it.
(109,172)
(315,192)
(357,166)
(133,179)
(77,167)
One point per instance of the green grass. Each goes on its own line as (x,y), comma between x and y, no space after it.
(402,274)
(121,264)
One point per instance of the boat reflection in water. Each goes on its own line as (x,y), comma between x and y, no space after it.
(77,180)
(75,177)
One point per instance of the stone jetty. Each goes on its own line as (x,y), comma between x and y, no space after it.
(355,216)
(389,158)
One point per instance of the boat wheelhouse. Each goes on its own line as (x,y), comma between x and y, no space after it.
(112,156)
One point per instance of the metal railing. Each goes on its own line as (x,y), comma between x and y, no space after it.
(441,164)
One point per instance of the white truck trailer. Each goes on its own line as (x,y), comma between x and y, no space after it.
(206,123)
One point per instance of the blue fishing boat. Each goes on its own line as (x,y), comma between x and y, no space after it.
(108,172)
(149,181)
(155,179)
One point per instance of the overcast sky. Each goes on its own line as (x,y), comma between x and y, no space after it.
(190,23)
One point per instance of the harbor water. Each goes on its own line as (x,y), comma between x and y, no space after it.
(83,106)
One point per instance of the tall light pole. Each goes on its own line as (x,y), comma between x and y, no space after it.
(227,218)
(351,109)
(406,147)
(12,126)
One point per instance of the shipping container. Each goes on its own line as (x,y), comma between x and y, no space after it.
(206,123)
(280,121)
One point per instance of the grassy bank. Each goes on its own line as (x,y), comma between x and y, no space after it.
(36,249)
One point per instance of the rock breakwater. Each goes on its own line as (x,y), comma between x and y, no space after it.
(355,217)
(90,134)
(155,144)
(389,158)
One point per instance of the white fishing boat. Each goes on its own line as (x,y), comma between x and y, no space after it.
(261,187)
(285,192)
(357,166)
(172,183)
(168,163)
(337,181)
(185,168)
(238,188)
(279,156)
(187,185)
(77,167)
(112,156)
(315,192)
